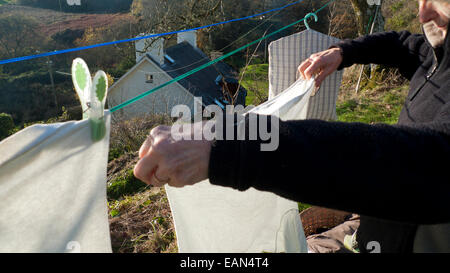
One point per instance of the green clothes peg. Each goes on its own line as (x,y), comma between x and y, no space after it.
(92,95)
(82,82)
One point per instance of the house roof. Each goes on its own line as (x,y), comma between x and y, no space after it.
(183,58)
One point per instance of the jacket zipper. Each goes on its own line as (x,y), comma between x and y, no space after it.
(435,66)
(428,76)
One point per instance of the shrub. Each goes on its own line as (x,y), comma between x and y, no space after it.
(128,135)
(125,184)
(6,125)
(401,15)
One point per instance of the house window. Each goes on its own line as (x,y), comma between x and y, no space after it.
(149,78)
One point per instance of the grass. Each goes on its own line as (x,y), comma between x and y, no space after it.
(255,80)
(2,2)
(126,183)
(142,223)
(139,215)
(401,15)
(379,100)
(372,108)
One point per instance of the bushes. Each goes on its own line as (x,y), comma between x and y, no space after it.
(121,68)
(126,184)
(128,135)
(19,36)
(6,125)
(142,223)
(33,101)
(401,15)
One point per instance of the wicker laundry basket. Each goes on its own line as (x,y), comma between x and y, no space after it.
(317,219)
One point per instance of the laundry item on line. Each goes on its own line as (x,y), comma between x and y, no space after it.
(53,189)
(287,53)
(210,218)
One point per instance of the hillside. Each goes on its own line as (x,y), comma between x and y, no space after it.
(97,6)
(52,22)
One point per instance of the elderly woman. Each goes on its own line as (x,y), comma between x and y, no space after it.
(394,176)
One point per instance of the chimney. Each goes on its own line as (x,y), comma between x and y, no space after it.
(188,36)
(151,46)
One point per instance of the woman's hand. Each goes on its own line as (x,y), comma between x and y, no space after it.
(321,65)
(173,158)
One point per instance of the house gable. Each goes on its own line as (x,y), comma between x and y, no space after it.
(135,82)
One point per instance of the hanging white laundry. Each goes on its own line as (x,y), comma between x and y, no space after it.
(287,53)
(210,218)
(291,104)
(53,189)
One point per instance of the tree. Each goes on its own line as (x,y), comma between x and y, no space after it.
(170,15)
(6,125)
(107,57)
(341,20)
(369,19)
(368,14)
(18,36)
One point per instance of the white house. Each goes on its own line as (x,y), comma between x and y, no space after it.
(156,65)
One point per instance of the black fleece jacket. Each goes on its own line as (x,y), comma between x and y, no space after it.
(394,175)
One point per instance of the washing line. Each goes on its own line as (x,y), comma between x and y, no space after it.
(199,61)
(58,52)
(195,70)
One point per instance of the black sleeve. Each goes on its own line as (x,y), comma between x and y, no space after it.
(402,50)
(391,172)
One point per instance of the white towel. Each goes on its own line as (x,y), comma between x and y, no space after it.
(53,190)
(210,218)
